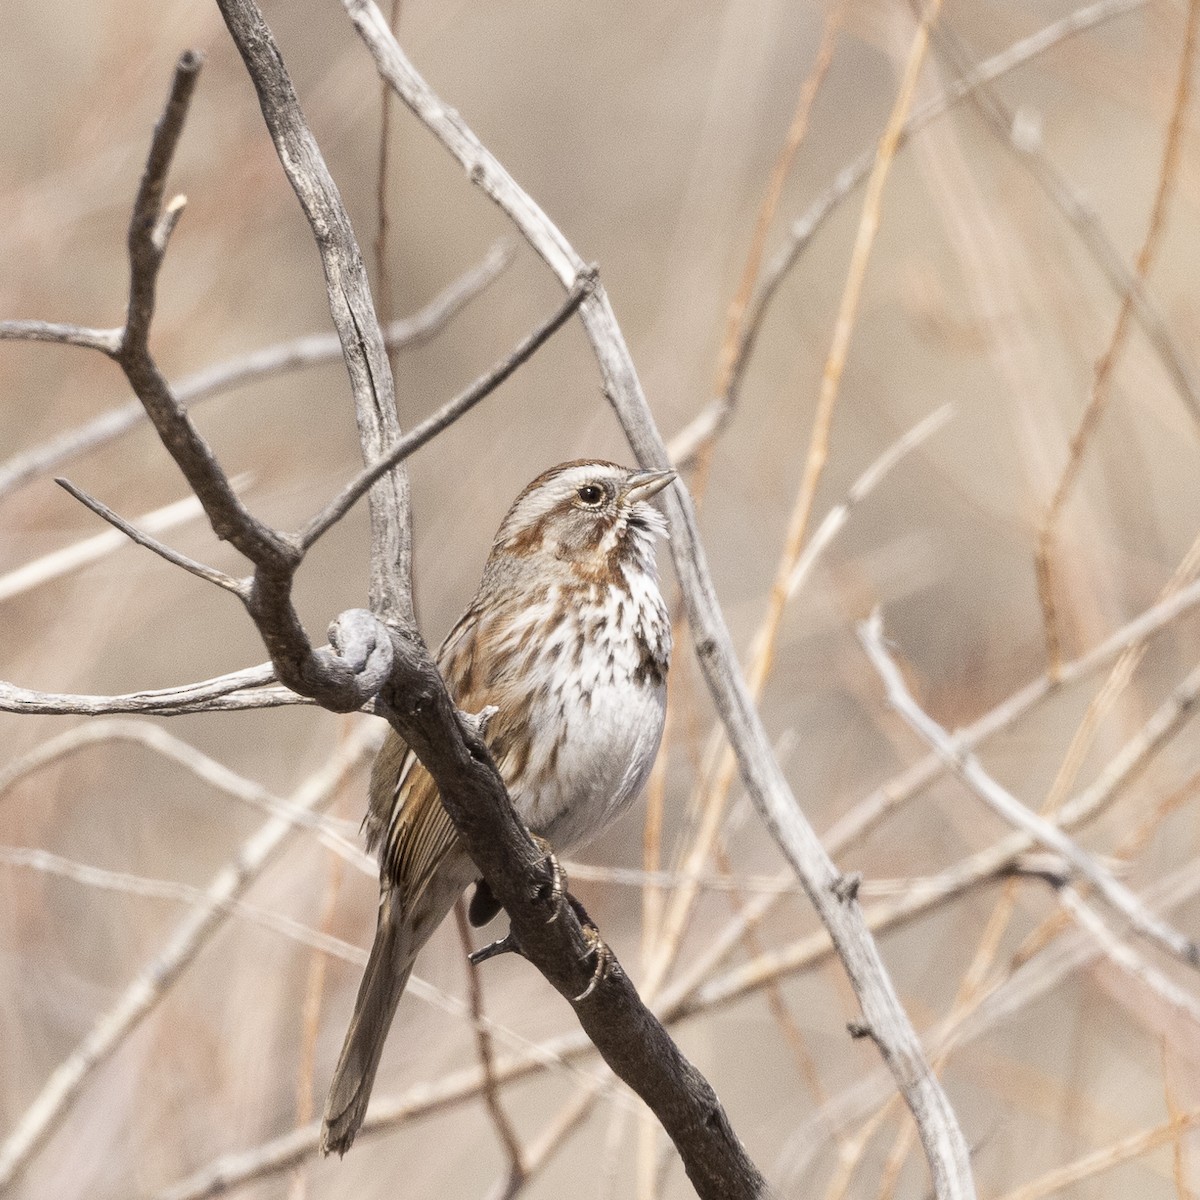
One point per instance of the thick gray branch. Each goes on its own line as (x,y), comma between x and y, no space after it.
(349,303)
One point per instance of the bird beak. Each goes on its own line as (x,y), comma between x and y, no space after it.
(644,484)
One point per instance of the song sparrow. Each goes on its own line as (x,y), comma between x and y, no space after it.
(569,638)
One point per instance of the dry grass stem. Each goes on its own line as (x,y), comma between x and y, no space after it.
(796,561)
(483,1048)
(736,343)
(1099,1161)
(1047,530)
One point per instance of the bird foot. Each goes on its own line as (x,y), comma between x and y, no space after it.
(600,953)
(557,886)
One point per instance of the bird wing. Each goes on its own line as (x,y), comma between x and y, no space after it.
(406,819)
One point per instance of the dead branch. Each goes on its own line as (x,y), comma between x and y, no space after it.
(378,655)
(279,359)
(943,1142)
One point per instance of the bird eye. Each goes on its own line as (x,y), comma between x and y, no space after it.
(590,494)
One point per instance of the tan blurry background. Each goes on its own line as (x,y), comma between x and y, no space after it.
(647,132)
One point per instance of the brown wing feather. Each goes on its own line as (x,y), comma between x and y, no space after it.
(405,818)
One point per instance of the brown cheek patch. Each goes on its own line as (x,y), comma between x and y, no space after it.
(530,539)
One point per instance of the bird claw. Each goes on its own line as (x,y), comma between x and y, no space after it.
(558,880)
(603,956)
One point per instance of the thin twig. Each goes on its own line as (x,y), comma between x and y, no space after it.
(107,341)
(513,1150)
(383,279)
(448,413)
(80,554)
(142,538)
(552,1139)
(1179,1163)
(190,936)
(279,359)
(968,768)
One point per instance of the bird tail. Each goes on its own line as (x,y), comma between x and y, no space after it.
(388,968)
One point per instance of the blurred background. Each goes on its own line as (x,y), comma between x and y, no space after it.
(650,133)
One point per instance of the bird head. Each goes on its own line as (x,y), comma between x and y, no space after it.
(588,513)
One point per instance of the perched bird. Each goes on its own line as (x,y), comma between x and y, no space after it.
(568,637)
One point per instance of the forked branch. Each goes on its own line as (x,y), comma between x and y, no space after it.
(377,656)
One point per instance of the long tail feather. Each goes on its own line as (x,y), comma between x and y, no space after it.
(388,968)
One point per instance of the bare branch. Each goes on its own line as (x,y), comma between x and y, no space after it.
(968,768)
(211,574)
(107,341)
(874,808)
(281,358)
(235,692)
(147,243)
(349,303)
(448,413)
(941,1137)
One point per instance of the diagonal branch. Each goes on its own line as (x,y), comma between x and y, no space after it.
(309,350)
(450,412)
(942,1139)
(968,768)
(199,569)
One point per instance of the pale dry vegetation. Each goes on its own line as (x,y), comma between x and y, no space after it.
(961,387)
